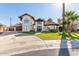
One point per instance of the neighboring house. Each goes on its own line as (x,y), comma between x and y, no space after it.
(11,28)
(16,27)
(50,25)
(2,28)
(29,23)
(76,25)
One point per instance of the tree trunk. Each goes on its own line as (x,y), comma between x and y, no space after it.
(67,28)
(72,26)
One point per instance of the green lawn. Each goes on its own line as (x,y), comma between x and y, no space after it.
(74,35)
(56,36)
(48,36)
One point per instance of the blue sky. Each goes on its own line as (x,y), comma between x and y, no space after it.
(38,10)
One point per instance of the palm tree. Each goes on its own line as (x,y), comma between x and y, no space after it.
(70,17)
(67,21)
(69,13)
(73,18)
(66,24)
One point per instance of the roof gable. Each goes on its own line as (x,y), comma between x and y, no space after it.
(39,19)
(21,17)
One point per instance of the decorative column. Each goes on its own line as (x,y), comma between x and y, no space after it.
(14,28)
(42,26)
(23,26)
(35,26)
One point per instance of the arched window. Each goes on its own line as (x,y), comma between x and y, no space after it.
(26,21)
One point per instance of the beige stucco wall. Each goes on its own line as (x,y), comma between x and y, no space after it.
(28,26)
(76,25)
(1,29)
(43,27)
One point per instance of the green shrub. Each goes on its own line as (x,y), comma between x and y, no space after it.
(53,30)
(31,31)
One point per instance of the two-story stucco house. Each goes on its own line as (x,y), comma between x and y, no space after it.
(29,23)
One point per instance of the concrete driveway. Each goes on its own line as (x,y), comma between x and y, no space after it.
(14,43)
(19,44)
(55,48)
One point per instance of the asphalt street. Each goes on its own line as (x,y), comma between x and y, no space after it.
(1,32)
(47,52)
(51,52)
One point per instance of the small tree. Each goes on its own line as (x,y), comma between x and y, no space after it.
(50,20)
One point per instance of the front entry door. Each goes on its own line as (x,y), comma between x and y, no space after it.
(39,28)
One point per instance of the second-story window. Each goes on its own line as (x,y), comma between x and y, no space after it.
(26,21)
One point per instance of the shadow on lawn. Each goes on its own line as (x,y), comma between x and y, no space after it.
(77,36)
(63,51)
(63,46)
(75,41)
